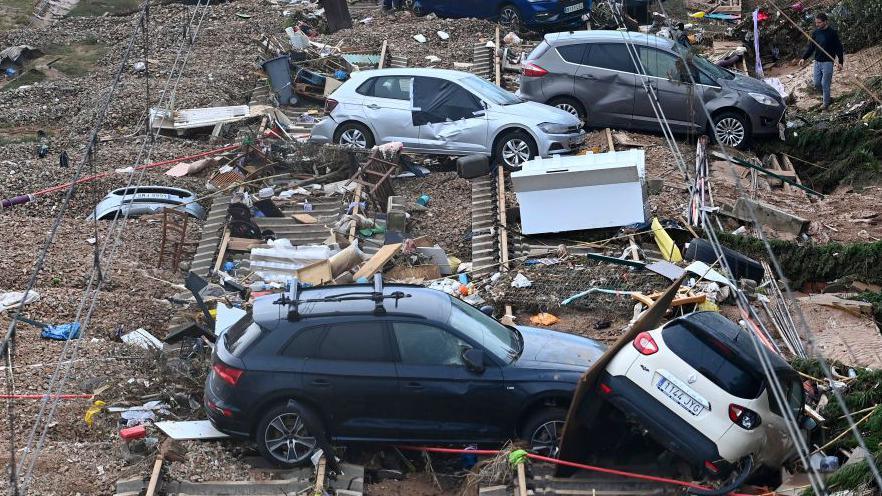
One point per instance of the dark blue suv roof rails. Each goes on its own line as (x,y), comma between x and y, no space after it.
(292,298)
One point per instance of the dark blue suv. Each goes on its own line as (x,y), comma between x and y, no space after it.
(530,14)
(360,367)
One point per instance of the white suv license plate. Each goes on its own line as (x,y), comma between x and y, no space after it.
(573,8)
(676,394)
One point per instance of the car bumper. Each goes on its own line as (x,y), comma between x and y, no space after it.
(224,417)
(323,132)
(548,14)
(764,121)
(669,430)
(554,144)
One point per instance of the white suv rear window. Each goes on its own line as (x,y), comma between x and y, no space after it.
(714,360)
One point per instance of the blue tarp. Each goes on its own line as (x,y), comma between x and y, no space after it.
(61,332)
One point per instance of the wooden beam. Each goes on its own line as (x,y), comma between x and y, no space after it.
(382,55)
(496,64)
(222,251)
(522,480)
(305,218)
(154,476)
(503,223)
(634,251)
(377,261)
(508,318)
(609,140)
(320,477)
(243,244)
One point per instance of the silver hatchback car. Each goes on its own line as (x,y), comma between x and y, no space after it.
(593,75)
(444,112)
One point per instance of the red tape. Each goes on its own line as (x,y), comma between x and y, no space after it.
(621,473)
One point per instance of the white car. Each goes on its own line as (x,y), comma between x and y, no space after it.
(444,112)
(696,385)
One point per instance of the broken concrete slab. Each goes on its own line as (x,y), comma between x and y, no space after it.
(769,215)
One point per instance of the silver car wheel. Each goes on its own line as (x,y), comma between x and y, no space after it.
(509,17)
(353,138)
(546,438)
(515,152)
(287,439)
(566,107)
(730,131)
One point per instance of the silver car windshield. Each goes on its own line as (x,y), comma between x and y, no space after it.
(501,341)
(713,70)
(489,91)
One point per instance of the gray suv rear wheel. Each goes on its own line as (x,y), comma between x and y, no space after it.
(569,105)
(282,437)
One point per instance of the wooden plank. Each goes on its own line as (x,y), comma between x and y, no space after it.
(685,300)
(316,273)
(320,477)
(305,218)
(377,261)
(222,251)
(522,480)
(496,62)
(382,55)
(503,224)
(635,255)
(609,140)
(154,476)
(243,244)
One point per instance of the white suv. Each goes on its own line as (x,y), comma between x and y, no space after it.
(697,386)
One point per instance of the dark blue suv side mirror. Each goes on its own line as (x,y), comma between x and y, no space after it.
(474,360)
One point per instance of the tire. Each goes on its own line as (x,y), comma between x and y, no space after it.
(510,17)
(515,148)
(569,105)
(542,430)
(355,135)
(410,5)
(285,449)
(731,129)
(734,481)
(767,477)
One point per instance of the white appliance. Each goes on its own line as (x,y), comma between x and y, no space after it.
(575,192)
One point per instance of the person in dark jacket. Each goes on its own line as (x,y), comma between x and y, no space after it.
(830,48)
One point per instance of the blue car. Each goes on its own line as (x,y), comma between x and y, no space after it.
(530,14)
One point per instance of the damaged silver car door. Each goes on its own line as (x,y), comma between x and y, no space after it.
(387,108)
(449,117)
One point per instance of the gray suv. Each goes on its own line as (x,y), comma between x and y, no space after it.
(592,75)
